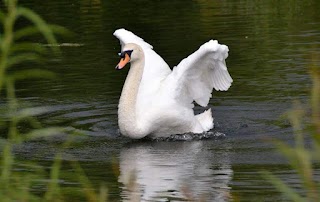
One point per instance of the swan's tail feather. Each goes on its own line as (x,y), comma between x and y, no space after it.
(206,120)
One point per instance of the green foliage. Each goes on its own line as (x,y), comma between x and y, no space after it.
(301,157)
(16,50)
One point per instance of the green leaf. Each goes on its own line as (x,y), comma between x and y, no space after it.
(41,25)
(299,158)
(53,191)
(44,132)
(28,47)
(315,100)
(85,182)
(316,152)
(2,16)
(25,32)
(24,57)
(282,187)
(32,111)
(34,122)
(60,30)
(288,152)
(103,193)
(301,161)
(31,74)
(33,30)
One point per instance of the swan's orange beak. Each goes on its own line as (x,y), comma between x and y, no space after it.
(123,61)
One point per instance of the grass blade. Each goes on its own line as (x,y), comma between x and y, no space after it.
(32,30)
(31,74)
(25,32)
(282,187)
(2,16)
(43,132)
(85,182)
(40,24)
(53,192)
(24,57)
(27,47)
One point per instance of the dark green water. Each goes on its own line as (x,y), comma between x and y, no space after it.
(271,44)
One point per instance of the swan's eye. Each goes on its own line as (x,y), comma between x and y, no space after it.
(122,55)
(129,52)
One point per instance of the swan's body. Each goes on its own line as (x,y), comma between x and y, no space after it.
(157,101)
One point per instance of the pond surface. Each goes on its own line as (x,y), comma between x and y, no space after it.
(271,46)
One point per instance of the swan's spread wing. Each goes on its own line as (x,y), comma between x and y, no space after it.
(126,36)
(195,76)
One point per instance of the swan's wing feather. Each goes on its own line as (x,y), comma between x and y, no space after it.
(126,36)
(194,78)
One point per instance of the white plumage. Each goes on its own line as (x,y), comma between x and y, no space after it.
(162,105)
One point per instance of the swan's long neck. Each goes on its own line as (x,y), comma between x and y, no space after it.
(127,106)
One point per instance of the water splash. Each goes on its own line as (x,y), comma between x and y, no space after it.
(211,135)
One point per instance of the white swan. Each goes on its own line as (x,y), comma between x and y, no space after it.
(157,101)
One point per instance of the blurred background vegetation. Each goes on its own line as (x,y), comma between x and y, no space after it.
(304,155)
(19,182)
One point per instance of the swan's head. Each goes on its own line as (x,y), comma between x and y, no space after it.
(130,53)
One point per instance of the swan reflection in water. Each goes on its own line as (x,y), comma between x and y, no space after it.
(174,171)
